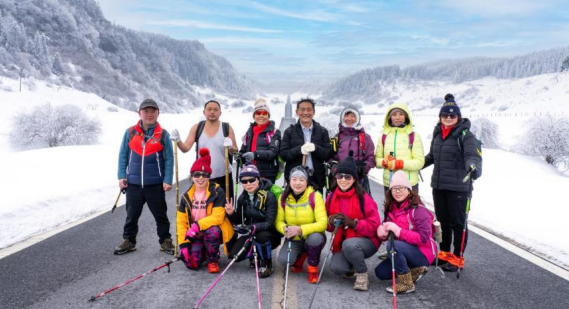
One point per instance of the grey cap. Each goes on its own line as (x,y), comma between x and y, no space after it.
(148,103)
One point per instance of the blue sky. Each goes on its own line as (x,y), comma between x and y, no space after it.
(295,42)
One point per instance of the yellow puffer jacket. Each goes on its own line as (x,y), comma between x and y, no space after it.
(215,197)
(397,141)
(301,214)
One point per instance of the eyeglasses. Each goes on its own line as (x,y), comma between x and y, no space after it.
(248,180)
(261,113)
(339,176)
(198,175)
(447,115)
(398,189)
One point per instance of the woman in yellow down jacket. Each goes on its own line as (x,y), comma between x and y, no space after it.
(399,147)
(302,219)
(201,222)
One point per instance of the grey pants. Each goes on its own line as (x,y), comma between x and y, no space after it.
(313,245)
(354,252)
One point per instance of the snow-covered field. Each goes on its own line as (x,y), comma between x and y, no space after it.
(46,188)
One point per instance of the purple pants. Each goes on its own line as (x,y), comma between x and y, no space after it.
(204,248)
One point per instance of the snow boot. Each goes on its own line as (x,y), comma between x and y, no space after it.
(125,247)
(212,268)
(266,268)
(312,274)
(362,282)
(167,246)
(404,284)
(298,266)
(418,272)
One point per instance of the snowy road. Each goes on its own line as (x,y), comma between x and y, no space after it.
(64,271)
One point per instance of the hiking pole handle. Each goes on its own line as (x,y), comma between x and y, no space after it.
(303,160)
(467,177)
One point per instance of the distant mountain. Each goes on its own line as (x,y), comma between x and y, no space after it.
(373,85)
(71,43)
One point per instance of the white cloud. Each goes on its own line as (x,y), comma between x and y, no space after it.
(203,25)
(281,43)
(499,8)
(313,15)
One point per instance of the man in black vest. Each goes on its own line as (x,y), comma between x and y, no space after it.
(306,138)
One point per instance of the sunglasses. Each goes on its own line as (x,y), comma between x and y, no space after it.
(198,175)
(447,115)
(345,176)
(248,180)
(261,113)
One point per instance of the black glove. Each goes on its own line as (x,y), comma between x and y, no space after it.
(361,170)
(331,219)
(345,220)
(244,230)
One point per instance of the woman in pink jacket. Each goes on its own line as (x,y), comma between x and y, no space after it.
(411,224)
(356,238)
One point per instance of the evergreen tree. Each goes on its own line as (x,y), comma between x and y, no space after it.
(565,64)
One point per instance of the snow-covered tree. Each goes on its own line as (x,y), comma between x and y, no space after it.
(547,138)
(565,65)
(49,126)
(486,131)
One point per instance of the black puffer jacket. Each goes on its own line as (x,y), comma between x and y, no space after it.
(260,212)
(267,150)
(293,139)
(452,162)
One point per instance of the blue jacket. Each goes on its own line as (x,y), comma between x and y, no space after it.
(157,168)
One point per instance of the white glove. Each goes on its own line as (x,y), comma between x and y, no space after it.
(307,148)
(248,156)
(227,142)
(175,135)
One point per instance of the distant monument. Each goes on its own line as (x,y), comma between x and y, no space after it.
(287,120)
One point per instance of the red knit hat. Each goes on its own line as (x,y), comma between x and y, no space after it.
(203,163)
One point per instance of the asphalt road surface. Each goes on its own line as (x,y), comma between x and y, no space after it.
(64,271)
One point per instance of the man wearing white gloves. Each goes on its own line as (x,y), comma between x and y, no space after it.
(214,135)
(306,138)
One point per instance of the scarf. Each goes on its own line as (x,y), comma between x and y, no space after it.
(354,213)
(256,130)
(445,131)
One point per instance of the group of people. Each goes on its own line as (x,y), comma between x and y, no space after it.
(207,216)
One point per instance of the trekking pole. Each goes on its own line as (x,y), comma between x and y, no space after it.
(467,177)
(336,225)
(460,258)
(121,191)
(227,172)
(177,195)
(303,160)
(224,271)
(167,264)
(254,245)
(287,270)
(392,251)
(237,165)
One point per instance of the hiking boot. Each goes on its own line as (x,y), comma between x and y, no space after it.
(404,284)
(456,261)
(418,272)
(361,283)
(312,274)
(350,274)
(212,268)
(298,266)
(167,246)
(125,247)
(266,268)
(449,268)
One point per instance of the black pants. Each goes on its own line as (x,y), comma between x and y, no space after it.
(450,208)
(221,182)
(263,239)
(154,196)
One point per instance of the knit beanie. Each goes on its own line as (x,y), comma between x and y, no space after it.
(400,179)
(203,163)
(348,166)
(261,104)
(298,171)
(450,106)
(249,170)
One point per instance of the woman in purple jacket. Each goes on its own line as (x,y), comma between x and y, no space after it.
(356,238)
(352,137)
(411,224)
